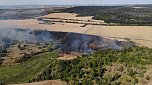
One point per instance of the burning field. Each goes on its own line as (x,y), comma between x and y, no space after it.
(27,41)
(68,42)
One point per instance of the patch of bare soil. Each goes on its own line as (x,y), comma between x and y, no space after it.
(49,82)
(148,73)
(68,56)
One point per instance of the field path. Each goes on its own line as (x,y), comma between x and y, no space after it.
(87,29)
(48,82)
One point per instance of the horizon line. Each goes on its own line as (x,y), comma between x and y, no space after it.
(73,4)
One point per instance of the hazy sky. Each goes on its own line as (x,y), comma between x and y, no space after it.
(70,2)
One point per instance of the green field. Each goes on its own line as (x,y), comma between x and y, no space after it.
(27,70)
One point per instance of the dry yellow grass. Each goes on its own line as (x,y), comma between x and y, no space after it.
(61,15)
(67,57)
(142,35)
(34,24)
(64,56)
(72,16)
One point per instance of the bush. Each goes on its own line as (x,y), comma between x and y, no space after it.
(147,78)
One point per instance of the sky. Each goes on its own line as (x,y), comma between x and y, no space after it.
(72,2)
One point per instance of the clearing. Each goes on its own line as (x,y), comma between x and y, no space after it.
(48,82)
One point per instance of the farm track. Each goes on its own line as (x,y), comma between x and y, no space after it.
(89,28)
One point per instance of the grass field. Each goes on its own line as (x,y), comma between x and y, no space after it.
(23,72)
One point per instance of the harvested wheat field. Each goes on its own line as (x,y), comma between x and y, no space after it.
(49,82)
(34,24)
(67,16)
(142,35)
(72,16)
(61,15)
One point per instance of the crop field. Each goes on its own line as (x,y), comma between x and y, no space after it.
(141,35)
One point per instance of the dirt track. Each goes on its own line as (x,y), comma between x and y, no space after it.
(49,82)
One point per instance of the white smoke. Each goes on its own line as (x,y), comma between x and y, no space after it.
(25,35)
